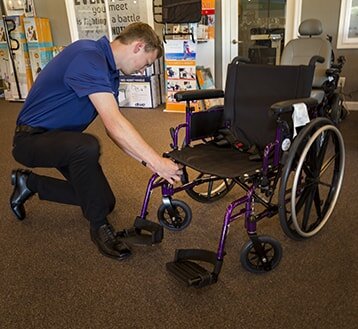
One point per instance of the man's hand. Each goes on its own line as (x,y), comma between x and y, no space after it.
(122,132)
(167,169)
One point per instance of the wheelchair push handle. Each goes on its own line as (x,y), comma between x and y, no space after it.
(240,59)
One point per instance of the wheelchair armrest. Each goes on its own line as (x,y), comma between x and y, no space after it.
(315,59)
(191,95)
(287,106)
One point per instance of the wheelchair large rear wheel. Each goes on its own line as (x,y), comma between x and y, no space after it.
(311,179)
(209,187)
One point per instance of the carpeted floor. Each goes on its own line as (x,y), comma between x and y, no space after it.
(52,276)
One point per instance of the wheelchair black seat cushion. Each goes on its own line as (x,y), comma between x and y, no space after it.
(211,159)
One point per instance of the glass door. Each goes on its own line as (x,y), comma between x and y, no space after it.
(256,29)
(262,30)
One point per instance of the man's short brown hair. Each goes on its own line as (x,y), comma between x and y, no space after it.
(143,32)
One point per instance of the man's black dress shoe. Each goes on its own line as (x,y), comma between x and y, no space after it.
(109,244)
(21,192)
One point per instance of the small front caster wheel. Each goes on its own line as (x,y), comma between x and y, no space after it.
(175,216)
(251,260)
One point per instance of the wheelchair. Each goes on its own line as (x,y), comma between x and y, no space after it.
(284,168)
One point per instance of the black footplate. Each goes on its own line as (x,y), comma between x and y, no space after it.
(185,270)
(143,233)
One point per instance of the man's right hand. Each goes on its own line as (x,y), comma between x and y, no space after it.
(167,169)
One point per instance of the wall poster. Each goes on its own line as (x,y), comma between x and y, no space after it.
(87,19)
(91,19)
(125,12)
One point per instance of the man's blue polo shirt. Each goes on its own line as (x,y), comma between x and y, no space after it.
(59,97)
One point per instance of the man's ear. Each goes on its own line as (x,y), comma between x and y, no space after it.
(138,46)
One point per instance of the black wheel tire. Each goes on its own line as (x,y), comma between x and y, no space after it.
(182,219)
(251,261)
(335,111)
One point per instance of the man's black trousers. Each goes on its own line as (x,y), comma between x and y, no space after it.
(76,156)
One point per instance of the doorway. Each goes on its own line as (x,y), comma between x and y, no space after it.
(255,29)
(261,30)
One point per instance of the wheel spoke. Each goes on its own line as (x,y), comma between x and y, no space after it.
(307,208)
(267,248)
(318,203)
(210,188)
(303,197)
(327,164)
(325,184)
(322,151)
(307,170)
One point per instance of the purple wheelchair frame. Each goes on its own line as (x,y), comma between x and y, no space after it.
(270,167)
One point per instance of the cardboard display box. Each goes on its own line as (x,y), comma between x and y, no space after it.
(40,44)
(139,91)
(21,59)
(4,63)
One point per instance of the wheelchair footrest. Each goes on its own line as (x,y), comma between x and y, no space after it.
(186,270)
(144,232)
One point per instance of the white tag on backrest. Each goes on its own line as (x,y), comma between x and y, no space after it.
(299,116)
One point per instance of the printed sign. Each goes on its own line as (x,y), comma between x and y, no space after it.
(180,70)
(92,19)
(125,12)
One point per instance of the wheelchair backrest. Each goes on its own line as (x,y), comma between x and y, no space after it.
(250,91)
(309,44)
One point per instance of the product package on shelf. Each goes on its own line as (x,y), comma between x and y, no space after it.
(40,44)
(139,91)
(5,65)
(205,81)
(143,91)
(20,88)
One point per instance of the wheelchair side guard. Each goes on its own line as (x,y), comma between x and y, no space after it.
(143,233)
(185,270)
